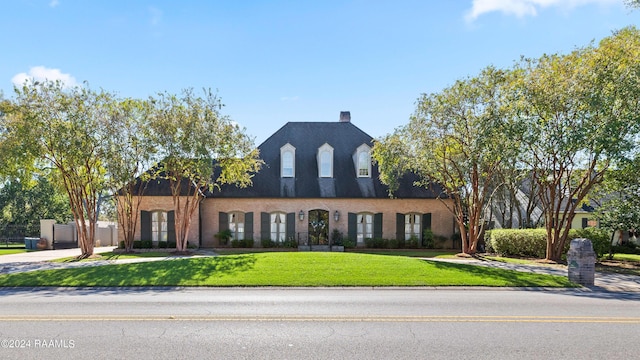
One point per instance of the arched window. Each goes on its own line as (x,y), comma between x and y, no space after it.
(278,226)
(236,225)
(325,161)
(362,161)
(287,160)
(158,226)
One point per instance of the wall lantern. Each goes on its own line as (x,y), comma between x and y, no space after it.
(301,215)
(336,216)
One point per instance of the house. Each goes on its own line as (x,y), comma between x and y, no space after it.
(317,178)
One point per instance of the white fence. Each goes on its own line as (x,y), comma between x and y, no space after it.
(66,235)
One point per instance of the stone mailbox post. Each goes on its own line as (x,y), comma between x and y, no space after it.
(581,260)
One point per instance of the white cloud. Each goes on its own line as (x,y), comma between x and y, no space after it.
(41,73)
(522,8)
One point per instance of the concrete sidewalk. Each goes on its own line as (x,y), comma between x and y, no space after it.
(47,255)
(41,260)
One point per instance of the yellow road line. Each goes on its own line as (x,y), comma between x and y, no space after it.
(315,318)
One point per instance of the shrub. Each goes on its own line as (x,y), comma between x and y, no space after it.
(290,243)
(121,244)
(246,243)
(599,239)
(533,242)
(626,248)
(336,237)
(162,244)
(412,243)
(267,243)
(519,242)
(428,239)
(142,244)
(348,243)
(376,243)
(438,242)
(394,244)
(223,236)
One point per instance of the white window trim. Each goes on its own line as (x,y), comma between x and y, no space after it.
(281,228)
(288,148)
(159,226)
(362,225)
(362,149)
(234,226)
(412,225)
(326,148)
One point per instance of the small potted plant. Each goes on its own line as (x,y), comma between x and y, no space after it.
(223,237)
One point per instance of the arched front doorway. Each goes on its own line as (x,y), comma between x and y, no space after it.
(318,227)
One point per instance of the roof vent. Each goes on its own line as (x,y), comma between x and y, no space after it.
(345,116)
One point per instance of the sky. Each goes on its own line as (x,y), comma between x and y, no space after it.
(272,62)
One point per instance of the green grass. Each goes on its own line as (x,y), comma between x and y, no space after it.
(5,251)
(627,257)
(114,256)
(409,252)
(286,269)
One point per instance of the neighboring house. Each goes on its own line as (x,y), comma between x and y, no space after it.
(318,177)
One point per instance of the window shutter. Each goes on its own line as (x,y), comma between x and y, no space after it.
(585,222)
(377,226)
(145,225)
(291,226)
(399,226)
(352,230)
(426,221)
(171,226)
(223,221)
(265,226)
(248,226)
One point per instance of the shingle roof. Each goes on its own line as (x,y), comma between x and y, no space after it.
(307,137)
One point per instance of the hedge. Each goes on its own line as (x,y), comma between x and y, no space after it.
(533,242)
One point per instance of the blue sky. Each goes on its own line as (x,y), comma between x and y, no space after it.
(279,61)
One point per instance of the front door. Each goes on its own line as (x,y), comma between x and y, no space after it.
(319,227)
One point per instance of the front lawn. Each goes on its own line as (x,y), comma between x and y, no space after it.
(5,251)
(286,269)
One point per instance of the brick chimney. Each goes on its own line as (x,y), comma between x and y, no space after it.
(345,116)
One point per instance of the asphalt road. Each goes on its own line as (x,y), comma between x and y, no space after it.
(317,324)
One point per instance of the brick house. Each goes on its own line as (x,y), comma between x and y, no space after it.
(318,177)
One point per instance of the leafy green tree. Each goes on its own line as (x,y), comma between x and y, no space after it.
(457,139)
(620,194)
(581,114)
(200,149)
(129,156)
(52,126)
(23,205)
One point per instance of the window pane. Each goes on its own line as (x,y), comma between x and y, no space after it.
(287,164)
(363,164)
(325,164)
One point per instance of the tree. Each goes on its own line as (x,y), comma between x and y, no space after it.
(24,204)
(620,194)
(129,156)
(457,139)
(581,115)
(200,149)
(632,3)
(50,125)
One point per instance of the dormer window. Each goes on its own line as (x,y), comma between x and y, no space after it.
(287,161)
(363,161)
(325,161)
